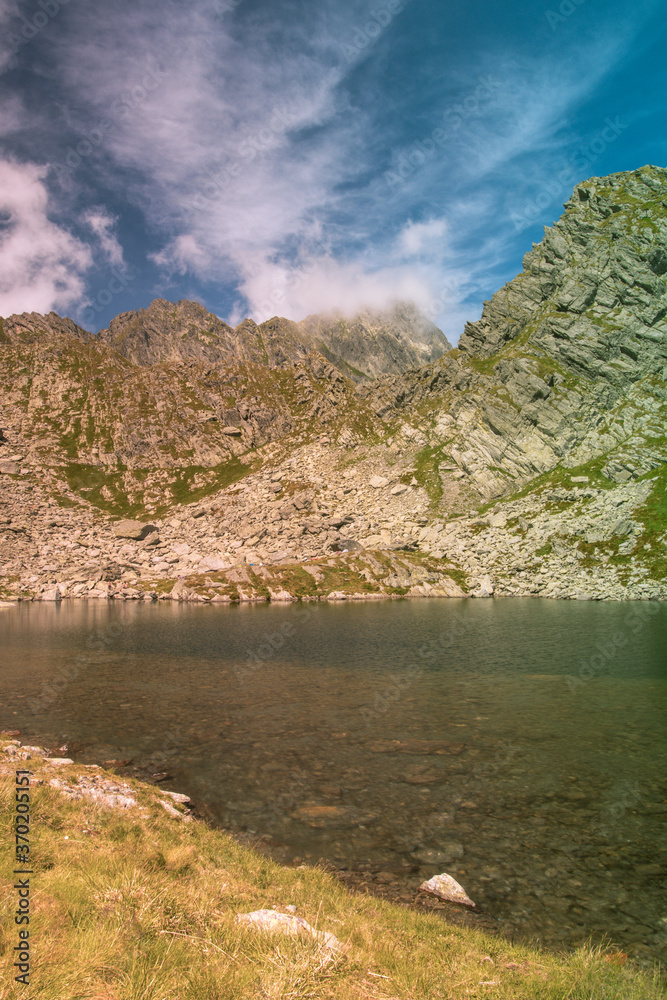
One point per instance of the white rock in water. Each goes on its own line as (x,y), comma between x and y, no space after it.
(445,887)
(285,923)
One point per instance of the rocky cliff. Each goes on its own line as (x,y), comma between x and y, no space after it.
(530,460)
(370,344)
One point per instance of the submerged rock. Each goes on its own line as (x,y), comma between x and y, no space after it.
(416,746)
(441,855)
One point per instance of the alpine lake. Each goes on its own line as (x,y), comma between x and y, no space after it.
(519,745)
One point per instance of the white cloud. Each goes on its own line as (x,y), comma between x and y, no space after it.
(417,238)
(102,223)
(324,284)
(182,255)
(41,264)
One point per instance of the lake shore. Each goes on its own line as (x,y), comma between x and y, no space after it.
(138,898)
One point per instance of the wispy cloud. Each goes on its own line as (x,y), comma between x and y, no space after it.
(101,224)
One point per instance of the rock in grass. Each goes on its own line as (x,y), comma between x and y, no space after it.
(285,923)
(445,887)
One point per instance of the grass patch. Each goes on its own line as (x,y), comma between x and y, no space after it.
(108,491)
(296,581)
(226,473)
(426,471)
(559,478)
(458,576)
(651,547)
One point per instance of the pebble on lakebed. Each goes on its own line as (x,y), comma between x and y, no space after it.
(445,887)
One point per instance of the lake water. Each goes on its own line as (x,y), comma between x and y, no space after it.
(518,745)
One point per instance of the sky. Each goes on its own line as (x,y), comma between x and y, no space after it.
(283,157)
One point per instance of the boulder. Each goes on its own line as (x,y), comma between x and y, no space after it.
(377,482)
(51,595)
(485,588)
(346,545)
(133,529)
(445,887)
(214,563)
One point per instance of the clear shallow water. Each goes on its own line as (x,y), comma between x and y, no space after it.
(540,782)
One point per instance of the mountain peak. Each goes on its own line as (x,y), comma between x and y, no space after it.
(369,344)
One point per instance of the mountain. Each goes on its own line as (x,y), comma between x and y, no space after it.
(375,342)
(568,360)
(350,456)
(367,345)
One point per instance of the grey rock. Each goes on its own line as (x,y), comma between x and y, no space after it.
(136,530)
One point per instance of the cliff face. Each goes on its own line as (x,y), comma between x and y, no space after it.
(69,398)
(533,458)
(567,363)
(593,293)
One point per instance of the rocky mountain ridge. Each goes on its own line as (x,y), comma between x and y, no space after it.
(361,347)
(530,460)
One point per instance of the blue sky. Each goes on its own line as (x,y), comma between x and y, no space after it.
(284,158)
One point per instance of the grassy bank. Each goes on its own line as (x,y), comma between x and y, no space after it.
(140,903)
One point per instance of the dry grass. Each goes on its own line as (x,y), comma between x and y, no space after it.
(137,905)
